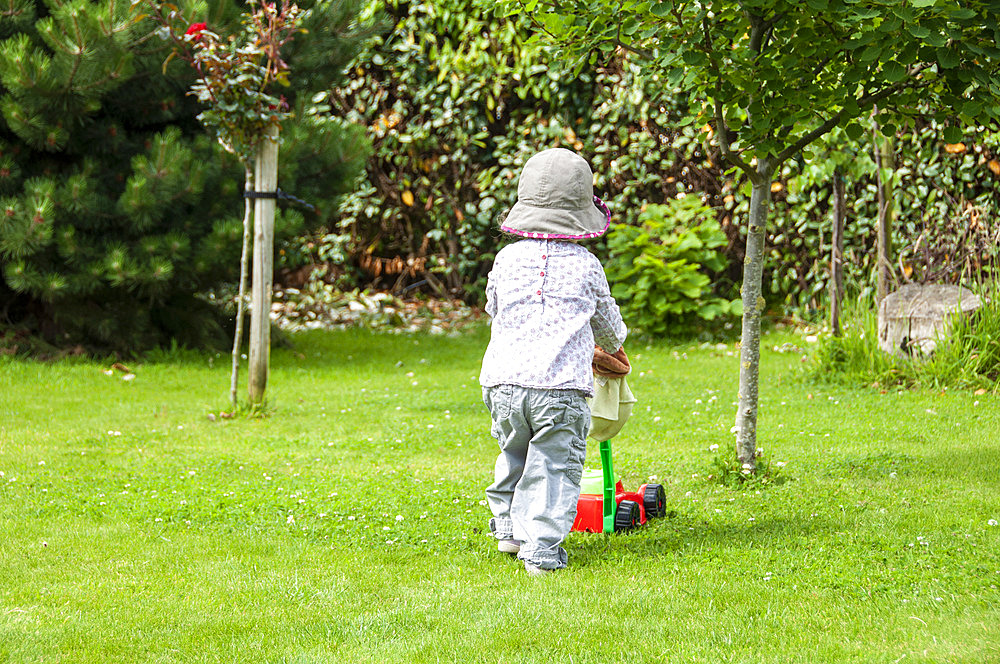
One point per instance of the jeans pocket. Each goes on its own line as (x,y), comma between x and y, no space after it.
(498,402)
(502,399)
(575,408)
(575,459)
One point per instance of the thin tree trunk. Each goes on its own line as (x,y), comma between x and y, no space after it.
(753,309)
(265,180)
(883,238)
(241,295)
(837,252)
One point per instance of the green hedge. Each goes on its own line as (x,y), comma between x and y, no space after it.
(455,100)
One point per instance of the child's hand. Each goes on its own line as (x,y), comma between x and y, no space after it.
(610,365)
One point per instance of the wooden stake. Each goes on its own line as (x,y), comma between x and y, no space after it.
(265,180)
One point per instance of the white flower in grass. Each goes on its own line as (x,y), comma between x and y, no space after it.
(781,464)
(290,519)
(713,447)
(991,522)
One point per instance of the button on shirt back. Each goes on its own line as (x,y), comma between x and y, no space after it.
(550,303)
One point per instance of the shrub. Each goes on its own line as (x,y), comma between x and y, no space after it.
(659,269)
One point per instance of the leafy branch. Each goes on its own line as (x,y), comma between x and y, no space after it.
(236,75)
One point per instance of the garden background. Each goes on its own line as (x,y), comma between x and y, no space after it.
(410,122)
(142,518)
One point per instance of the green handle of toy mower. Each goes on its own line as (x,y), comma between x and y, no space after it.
(608,497)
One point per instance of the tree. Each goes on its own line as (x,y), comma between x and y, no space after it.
(236,81)
(115,207)
(769,77)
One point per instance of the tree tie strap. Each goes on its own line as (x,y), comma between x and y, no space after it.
(277,193)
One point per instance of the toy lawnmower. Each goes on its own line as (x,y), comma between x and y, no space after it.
(604,505)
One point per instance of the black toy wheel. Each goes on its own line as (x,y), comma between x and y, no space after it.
(627,516)
(654,500)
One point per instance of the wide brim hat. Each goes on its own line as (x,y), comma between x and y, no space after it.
(555,199)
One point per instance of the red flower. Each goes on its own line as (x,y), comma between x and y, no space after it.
(282,104)
(195,29)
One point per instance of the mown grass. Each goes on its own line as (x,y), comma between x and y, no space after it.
(348,525)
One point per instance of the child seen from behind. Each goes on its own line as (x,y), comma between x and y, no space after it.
(550,304)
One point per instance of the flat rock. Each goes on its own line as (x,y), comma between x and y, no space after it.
(914,319)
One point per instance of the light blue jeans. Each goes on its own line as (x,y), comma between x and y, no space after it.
(542,436)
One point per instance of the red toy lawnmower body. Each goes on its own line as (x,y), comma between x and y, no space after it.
(605,506)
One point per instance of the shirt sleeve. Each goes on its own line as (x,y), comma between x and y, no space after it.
(609,328)
(491,296)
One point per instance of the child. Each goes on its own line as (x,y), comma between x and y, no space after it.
(550,303)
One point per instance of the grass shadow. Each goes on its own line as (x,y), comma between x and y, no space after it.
(681,536)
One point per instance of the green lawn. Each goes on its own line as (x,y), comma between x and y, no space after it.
(348,525)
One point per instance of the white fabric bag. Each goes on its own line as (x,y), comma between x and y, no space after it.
(610,407)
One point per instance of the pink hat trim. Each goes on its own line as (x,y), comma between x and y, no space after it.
(601,205)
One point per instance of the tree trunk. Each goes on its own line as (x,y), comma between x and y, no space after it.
(753,309)
(241,294)
(837,252)
(265,180)
(883,239)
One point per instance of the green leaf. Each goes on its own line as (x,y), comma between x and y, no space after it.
(854,131)
(918,31)
(694,58)
(893,71)
(661,9)
(936,39)
(818,5)
(953,134)
(871,52)
(963,13)
(948,58)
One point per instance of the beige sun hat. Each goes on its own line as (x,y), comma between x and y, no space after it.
(555,199)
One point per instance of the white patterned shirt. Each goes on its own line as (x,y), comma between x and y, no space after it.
(550,303)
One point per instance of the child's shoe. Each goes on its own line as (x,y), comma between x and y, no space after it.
(511,546)
(535,570)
